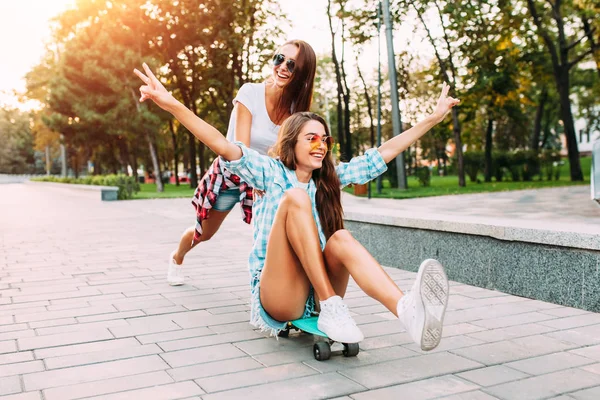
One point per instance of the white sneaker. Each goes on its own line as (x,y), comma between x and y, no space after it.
(175,272)
(422,310)
(335,321)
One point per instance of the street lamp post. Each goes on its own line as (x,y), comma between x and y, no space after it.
(396,120)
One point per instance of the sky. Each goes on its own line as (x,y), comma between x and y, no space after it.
(24,28)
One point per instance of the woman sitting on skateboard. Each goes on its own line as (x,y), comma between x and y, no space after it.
(300,247)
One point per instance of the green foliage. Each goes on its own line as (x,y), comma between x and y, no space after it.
(521,165)
(474,163)
(127,185)
(423,175)
(16,143)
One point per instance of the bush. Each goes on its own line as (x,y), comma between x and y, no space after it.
(549,164)
(423,174)
(126,184)
(474,162)
(531,165)
(499,164)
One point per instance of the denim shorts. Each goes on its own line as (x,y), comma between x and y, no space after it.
(227,199)
(260,318)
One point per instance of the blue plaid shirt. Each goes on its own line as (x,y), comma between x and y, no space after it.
(271,176)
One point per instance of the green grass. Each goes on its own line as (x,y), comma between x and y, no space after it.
(440,185)
(446,185)
(148,191)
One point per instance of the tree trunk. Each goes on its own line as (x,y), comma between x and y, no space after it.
(48,161)
(537,128)
(369,105)
(488,150)
(340,90)
(347,132)
(175,152)
(569,125)
(155,165)
(594,46)
(192,160)
(451,80)
(460,161)
(561,66)
(201,158)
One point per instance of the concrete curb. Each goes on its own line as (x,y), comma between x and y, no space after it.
(107,193)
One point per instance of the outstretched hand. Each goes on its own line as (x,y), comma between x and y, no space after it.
(154,90)
(444,104)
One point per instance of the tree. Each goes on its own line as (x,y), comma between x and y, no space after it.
(447,67)
(553,28)
(209,50)
(343,128)
(16,152)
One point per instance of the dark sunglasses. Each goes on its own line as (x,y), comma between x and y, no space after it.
(278,59)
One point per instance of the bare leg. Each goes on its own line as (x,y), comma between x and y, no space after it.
(294,260)
(421,312)
(210,226)
(346,256)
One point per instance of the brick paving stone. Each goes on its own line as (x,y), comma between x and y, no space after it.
(10,385)
(320,386)
(409,369)
(24,396)
(21,368)
(475,395)
(586,394)
(8,346)
(75,282)
(548,385)
(61,339)
(420,390)
(106,345)
(95,372)
(177,390)
(254,377)
(513,350)
(209,340)
(106,386)
(495,375)
(101,356)
(511,332)
(208,369)
(16,357)
(202,354)
(550,363)
(79,327)
(583,336)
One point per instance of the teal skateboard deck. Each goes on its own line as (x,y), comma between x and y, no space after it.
(322,347)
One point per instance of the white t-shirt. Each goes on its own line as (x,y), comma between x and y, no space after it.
(263,132)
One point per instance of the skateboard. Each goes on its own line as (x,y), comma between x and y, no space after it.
(322,345)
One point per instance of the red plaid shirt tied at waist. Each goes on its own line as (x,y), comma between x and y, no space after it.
(212,183)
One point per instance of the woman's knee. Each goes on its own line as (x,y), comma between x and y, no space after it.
(296,197)
(341,238)
(339,243)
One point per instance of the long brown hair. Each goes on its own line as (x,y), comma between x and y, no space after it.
(297,95)
(328,197)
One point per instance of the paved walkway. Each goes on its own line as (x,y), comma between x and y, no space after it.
(85,311)
(560,209)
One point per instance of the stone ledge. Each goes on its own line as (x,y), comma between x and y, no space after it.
(577,236)
(491,257)
(107,193)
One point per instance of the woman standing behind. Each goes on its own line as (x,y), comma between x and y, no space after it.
(259,110)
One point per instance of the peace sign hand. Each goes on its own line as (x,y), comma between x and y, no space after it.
(444,104)
(154,90)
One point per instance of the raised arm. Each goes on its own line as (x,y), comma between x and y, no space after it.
(243,124)
(207,134)
(390,149)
